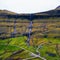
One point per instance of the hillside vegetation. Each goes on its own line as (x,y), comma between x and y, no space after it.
(43,35)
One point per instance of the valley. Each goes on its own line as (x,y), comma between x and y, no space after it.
(30,36)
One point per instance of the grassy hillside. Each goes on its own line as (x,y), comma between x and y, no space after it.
(16,48)
(44,39)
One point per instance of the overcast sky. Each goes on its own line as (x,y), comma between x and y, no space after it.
(29,6)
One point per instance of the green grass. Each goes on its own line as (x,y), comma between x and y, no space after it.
(8,46)
(50,48)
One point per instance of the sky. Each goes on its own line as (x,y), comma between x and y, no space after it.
(28,6)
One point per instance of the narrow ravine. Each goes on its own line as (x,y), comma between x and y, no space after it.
(28,43)
(29,33)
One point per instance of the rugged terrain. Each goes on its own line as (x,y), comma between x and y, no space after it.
(44,36)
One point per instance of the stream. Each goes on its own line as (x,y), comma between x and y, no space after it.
(28,43)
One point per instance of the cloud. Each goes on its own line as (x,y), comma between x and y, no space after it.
(28,6)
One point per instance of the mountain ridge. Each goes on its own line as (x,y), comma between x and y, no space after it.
(51,13)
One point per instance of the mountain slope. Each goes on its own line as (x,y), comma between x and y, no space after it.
(51,12)
(7,12)
(47,14)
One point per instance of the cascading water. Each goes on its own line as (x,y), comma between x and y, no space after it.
(30,30)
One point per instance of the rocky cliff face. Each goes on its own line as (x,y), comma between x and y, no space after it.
(58,8)
(10,22)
